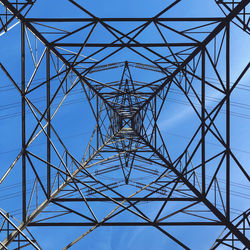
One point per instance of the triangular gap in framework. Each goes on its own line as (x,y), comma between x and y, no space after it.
(216,56)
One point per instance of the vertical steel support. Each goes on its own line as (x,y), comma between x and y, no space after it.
(203,99)
(23,121)
(48,120)
(228,122)
(155,104)
(97,115)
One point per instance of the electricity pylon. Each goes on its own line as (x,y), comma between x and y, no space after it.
(126,162)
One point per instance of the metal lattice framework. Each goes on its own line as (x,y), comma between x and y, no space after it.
(127,162)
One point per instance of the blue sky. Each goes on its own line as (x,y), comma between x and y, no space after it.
(75,122)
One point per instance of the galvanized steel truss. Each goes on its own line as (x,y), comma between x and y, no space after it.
(127,137)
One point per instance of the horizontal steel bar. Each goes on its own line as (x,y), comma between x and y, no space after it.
(63,224)
(132,19)
(121,199)
(125,44)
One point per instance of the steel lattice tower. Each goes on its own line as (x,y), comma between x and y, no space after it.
(128,162)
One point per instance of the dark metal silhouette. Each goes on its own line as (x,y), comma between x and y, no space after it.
(126,141)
